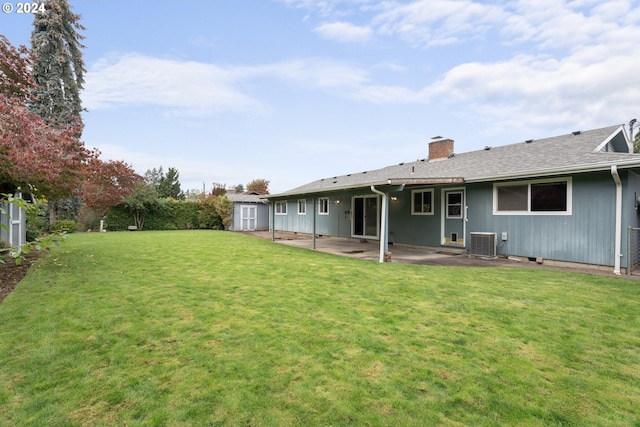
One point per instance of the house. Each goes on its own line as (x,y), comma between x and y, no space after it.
(567,198)
(250,212)
(13,224)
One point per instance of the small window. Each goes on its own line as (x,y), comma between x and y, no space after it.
(454,205)
(323,206)
(302,207)
(422,202)
(281,208)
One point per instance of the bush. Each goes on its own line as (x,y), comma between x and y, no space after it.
(37,221)
(172,215)
(64,226)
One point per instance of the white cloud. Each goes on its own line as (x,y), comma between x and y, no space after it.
(437,22)
(529,89)
(316,73)
(195,88)
(344,32)
(192,87)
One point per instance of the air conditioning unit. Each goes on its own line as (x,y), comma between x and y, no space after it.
(483,244)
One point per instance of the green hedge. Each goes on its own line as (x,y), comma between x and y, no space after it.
(172,215)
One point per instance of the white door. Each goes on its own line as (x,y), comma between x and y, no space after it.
(453,217)
(248,217)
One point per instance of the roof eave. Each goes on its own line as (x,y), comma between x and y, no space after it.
(555,171)
(389,181)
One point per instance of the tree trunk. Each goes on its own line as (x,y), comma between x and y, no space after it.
(53,212)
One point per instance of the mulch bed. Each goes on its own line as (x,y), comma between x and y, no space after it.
(11,274)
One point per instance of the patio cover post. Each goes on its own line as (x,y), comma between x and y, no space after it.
(314,223)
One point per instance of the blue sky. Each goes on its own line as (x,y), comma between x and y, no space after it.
(291,91)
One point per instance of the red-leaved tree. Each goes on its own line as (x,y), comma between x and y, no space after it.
(32,153)
(107,184)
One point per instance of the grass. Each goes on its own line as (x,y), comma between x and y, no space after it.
(214,328)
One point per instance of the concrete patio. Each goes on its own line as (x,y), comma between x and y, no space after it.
(443,256)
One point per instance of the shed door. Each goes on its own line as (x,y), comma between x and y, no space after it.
(453,217)
(248,217)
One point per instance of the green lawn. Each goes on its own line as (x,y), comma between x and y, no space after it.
(215,328)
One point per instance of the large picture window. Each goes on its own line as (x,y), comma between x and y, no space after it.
(422,202)
(543,197)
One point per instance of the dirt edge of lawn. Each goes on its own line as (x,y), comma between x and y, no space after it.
(11,273)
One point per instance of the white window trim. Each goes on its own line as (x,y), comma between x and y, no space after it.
(321,201)
(424,190)
(528,183)
(302,207)
(446,204)
(283,203)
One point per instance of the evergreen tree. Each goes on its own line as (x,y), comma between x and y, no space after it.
(154,176)
(58,67)
(169,186)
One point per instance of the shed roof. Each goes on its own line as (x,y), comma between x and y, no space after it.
(245,198)
(575,152)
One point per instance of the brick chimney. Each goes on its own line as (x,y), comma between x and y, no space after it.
(441,149)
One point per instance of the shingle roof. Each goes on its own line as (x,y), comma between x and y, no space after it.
(574,152)
(245,198)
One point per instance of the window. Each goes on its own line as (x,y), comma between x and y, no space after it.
(323,206)
(302,207)
(543,197)
(422,202)
(454,205)
(281,208)
(549,197)
(513,197)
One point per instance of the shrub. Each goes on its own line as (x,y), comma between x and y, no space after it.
(37,221)
(64,226)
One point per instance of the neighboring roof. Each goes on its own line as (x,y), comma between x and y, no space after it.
(571,153)
(245,198)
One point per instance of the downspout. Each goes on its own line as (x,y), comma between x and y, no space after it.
(618,240)
(384,246)
(384,220)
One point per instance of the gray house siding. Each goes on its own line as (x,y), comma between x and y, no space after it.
(463,189)
(336,223)
(586,236)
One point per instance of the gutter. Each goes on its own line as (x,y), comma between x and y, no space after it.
(383,222)
(618,240)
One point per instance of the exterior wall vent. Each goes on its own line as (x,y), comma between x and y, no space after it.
(483,244)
